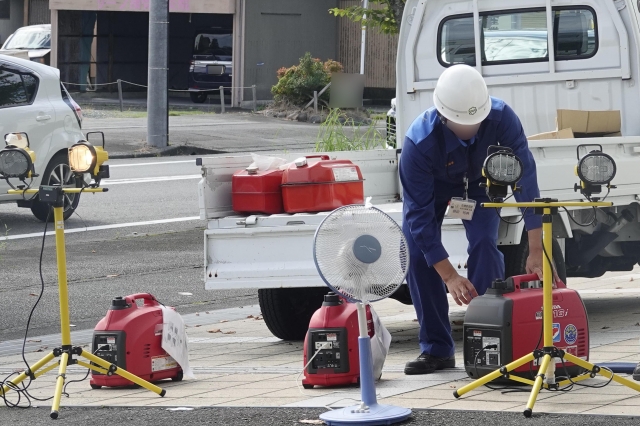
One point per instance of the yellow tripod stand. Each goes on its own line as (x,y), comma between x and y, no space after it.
(548,208)
(55,196)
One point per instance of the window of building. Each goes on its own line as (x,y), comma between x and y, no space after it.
(519,37)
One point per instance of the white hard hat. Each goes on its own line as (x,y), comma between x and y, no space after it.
(461,95)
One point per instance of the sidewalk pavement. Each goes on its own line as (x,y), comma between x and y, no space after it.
(238,363)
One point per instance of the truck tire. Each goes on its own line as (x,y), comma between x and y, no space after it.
(515,258)
(287,311)
(57,172)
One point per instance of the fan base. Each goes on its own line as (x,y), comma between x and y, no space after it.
(377,415)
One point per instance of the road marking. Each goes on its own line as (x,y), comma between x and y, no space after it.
(108,182)
(111,166)
(103,227)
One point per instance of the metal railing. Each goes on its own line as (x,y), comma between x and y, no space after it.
(221,89)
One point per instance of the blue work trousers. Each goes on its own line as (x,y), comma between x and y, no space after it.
(485,264)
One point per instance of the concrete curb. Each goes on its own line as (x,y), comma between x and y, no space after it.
(169,151)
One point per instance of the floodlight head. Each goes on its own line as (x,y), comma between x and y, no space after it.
(17,159)
(594,169)
(87,158)
(503,169)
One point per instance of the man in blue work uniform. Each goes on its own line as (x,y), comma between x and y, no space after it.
(441,159)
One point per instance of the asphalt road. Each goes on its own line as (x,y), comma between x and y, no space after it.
(236,132)
(144,235)
(252,416)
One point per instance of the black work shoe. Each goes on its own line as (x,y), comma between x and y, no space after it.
(636,373)
(427,364)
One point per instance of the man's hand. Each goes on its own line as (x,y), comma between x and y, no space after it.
(461,289)
(534,262)
(535,259)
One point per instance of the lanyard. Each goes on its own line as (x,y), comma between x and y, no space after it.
(465,179)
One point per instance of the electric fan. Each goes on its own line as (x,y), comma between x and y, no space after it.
(362,255)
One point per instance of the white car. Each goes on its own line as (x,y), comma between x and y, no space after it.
(32,42)
(33,101)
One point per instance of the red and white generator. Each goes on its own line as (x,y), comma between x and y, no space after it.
(505,324)
(333,333)
(130,336)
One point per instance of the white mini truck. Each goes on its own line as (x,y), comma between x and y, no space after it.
(540,57)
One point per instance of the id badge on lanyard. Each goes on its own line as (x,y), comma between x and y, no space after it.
(462,208)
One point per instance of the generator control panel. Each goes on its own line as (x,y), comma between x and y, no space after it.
(333,350)
(476,340)
(110,346)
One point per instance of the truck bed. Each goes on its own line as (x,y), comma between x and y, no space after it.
(262,251)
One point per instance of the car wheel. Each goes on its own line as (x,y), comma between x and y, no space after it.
(198,97)
(57,173)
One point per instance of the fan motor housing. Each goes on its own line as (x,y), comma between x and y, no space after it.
(334,326)
(510,316)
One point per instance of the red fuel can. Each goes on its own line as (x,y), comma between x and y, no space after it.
(255,191)
(130,336)
(316,183)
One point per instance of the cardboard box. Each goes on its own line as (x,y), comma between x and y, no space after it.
(556,134)
(590,123)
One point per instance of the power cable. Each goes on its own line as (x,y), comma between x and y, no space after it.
(23,391)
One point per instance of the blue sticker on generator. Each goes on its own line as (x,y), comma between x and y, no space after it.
(556,332)
(570,334)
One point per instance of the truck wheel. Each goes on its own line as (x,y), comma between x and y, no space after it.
(287,311)
(515,258)
(198,97)
(57,172)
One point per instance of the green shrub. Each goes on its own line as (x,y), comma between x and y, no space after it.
(357,137)
(297,83)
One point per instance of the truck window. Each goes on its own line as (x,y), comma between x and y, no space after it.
(518,36)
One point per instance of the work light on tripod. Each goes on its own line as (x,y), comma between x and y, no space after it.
(87,158)
(595,170)
(17,159)
(503,169)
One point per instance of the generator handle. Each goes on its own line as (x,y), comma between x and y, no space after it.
(149,299)
(534,277)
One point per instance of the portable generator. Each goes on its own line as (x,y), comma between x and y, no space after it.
(505,324)
(130,336)
(335,327)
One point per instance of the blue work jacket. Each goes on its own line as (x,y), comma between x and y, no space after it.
(434,159)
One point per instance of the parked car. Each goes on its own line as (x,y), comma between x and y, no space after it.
(211,65)
(34,101)
(34,40)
